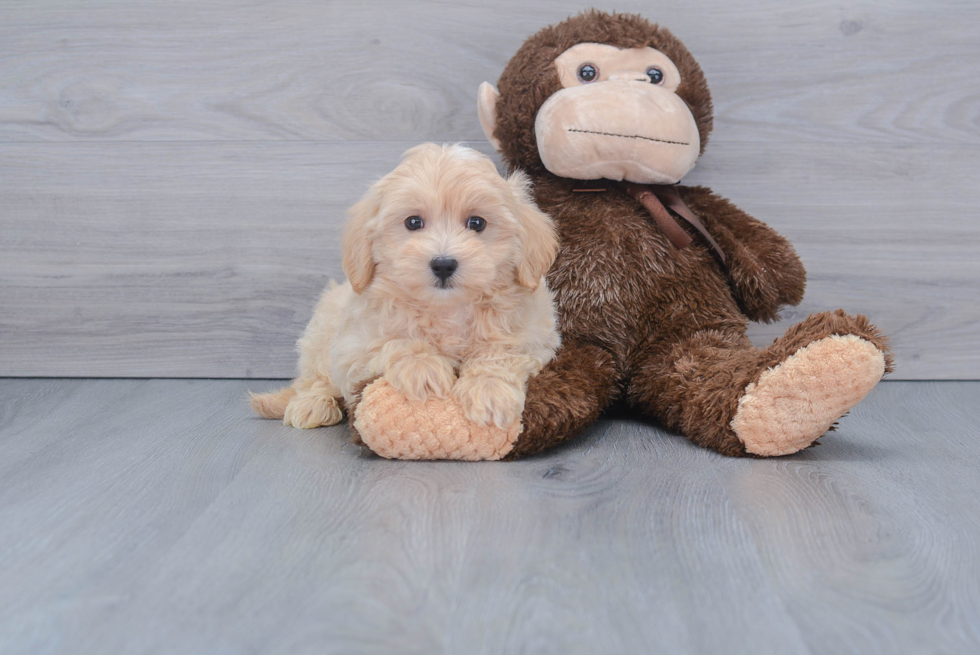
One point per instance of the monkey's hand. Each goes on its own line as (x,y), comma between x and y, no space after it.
(763,268)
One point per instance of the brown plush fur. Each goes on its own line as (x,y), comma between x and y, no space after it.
(643,322)
(663,329)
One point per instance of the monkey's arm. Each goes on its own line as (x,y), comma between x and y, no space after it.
(763,269)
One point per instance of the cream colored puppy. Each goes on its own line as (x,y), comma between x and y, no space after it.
(445,294)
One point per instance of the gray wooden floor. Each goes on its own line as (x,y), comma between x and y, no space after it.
(159,516)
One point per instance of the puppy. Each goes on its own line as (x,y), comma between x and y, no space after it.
(445,295)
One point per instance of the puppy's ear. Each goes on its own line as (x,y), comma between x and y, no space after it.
(539,242)
(358,241)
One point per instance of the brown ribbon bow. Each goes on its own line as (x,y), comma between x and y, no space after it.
(654,197)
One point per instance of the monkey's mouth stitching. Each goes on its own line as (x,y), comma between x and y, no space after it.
(631,136)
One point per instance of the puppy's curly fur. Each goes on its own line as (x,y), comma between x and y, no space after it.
(479,335)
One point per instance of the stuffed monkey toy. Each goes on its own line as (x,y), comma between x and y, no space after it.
(654,282)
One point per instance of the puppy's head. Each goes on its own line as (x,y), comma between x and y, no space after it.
(445,225)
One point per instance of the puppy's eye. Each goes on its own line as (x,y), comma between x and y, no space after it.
(476,223)
(587,73)
(656,75)
(414,223)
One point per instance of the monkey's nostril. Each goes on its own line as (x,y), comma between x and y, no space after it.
(444,267)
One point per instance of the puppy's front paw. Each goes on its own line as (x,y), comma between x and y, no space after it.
(419,376)
(312,410)
(487,399)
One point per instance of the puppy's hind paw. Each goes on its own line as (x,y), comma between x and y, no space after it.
(312,410)
(419,376)
(487,399)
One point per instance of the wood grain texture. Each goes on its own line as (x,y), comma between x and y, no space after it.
(204,260)
(158,516)
(830,71)
(173,177)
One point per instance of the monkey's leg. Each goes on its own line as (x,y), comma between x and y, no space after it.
(724,394)
(567,395)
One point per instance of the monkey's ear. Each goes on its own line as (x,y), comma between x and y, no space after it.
(358,242)
(536,230)
(486,107)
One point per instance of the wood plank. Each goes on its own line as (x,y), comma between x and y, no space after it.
(149,516)
(847,71)
(204,259)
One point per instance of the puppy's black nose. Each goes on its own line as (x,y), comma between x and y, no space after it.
(444,267)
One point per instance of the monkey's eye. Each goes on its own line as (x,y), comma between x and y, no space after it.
(476,223)
(414,223)
(588,73)
(656,75)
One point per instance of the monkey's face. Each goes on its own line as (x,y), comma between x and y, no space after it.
(615,113)
(617,116)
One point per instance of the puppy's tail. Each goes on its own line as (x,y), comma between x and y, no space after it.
(272,404)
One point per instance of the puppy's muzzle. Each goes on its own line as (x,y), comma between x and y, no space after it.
(443,268)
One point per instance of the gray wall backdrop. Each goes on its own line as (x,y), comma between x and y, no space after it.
(173,176)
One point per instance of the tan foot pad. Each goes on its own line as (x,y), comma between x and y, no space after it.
(795,403)
(397,428)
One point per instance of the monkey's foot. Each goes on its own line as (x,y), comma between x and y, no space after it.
(397,428)
(797,401)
